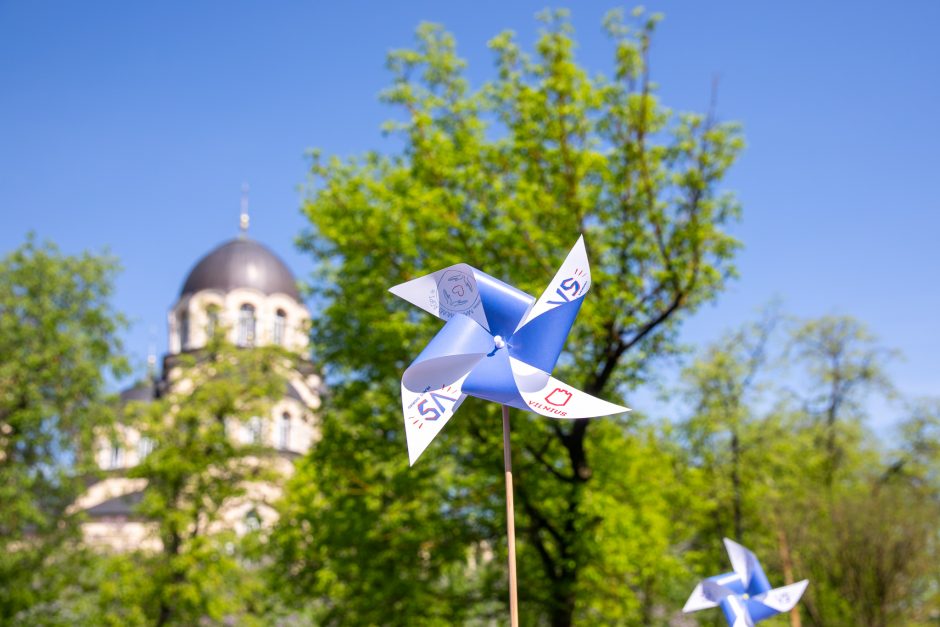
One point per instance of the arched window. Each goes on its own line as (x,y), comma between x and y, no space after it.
(212,320)
(144,447)
(246,325)
(253,430)
(252,520)
(184,330)
(280,326)
(283,432)
(117,455)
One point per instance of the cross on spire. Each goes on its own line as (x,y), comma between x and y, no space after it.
(152,354)
(243,218)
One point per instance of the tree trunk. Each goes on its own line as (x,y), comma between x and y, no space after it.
(787,562)
(736,484)
(563,610)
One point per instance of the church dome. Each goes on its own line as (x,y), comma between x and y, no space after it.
(238,263)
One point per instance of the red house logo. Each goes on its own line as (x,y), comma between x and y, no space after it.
(558,397)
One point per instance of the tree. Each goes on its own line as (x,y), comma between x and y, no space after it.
(919,456)
(198,469)
(58,342)
(503,177)
(841,511)
(844,364)
(720,387)
(873,555)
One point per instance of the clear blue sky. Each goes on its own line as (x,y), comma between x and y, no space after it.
(133,125)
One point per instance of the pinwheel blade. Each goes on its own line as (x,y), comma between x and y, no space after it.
(714,591)
(736,611)
(431,386)
(785,598)
(463,290)
(742,560)
(492,380)
(445,293)
(546,395)
(427,413)
(698,600)
(571,283)
(759,583)
(748,568)
(503,305)
(460,339)
(541,335)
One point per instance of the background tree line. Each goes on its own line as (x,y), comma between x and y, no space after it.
(617,518)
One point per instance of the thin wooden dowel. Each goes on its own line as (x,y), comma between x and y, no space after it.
(510,522)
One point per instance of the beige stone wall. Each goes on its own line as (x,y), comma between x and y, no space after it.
(105,490)
(124,449)
(121,535)
(255,509)
(229,304)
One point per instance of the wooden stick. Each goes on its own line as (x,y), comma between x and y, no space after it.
(787,562)
(510,522)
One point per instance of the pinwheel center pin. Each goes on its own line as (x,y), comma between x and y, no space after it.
(499,341)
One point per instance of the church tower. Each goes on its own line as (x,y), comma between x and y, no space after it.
(247,289)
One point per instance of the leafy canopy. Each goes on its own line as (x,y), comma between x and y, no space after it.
(58,340)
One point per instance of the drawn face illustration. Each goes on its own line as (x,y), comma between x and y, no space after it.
(458,293)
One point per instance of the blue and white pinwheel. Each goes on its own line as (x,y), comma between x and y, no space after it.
(745,595)
(499,344)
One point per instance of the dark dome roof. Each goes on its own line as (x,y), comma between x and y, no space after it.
(241,263)
(141,391)
(118,506)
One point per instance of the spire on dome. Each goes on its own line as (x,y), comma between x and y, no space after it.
(152,355)
(243,218)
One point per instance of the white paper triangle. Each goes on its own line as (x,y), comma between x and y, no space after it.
(785,598)
(698,600)
(445,293)
(550,397)
(426,414)
(572,281)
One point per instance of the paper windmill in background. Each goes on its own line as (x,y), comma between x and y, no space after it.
(499,344)
(744,595)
